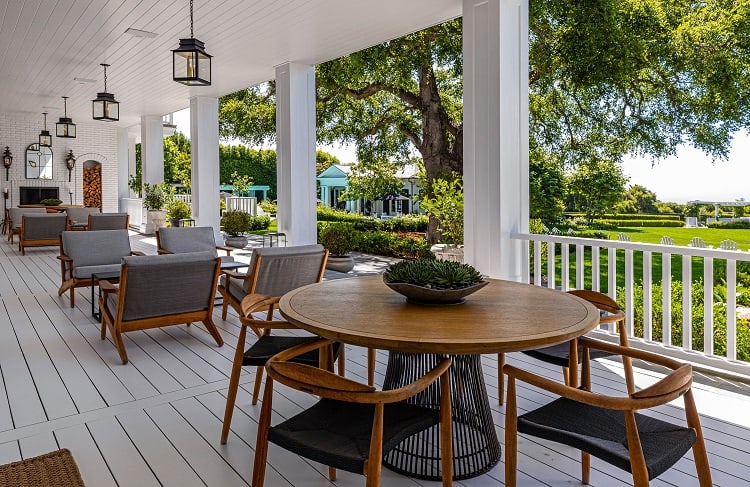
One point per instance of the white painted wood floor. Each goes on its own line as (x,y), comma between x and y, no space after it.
(157,420)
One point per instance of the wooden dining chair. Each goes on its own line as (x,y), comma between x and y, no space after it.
(609,427)
(352,426)
(560,354)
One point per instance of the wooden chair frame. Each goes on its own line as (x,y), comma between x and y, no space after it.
(325,384)
(677,383)
(117,326)
(40,242)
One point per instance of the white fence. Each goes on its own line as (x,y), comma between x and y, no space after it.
(242,203)
(573,274)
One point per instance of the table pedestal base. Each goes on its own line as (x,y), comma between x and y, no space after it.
(476,448)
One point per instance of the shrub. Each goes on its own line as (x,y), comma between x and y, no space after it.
(156,196)
(268,206)
(235,222)
(51,201)
(642,223)
(337,237)
(178,209)
(730,225)
(259,222)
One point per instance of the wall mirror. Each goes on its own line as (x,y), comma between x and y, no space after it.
(38,162)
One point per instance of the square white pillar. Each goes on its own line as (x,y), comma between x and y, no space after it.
(123,146)
(496,135)
(295,152)
(152,149)
(204,161)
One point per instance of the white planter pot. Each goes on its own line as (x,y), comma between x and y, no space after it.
(340,264)
(157,217)
(238,242)
(448,252)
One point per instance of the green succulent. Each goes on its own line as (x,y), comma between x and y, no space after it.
(435,274)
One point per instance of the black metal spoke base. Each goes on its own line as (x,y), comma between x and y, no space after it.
(476,448)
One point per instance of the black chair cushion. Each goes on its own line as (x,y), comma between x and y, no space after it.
(560,354)
(269,345)
(602,433)
(338,433)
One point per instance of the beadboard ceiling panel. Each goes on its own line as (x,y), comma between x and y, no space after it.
(45,44)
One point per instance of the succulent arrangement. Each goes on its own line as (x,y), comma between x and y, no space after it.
(51,202)
(433,274)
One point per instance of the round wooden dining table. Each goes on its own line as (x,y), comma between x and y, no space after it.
(503,316)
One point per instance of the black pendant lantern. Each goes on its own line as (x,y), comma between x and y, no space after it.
(105,107)
(65,128)
(45,138)
(191,64)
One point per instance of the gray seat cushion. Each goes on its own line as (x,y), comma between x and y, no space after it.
(17,213)
(236,287)
(43,226)
(85,272)
(81,215)
(179,240)
(285,268)
(108,221)
(99,248)
(162,285)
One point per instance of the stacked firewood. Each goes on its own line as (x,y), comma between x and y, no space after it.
(92,186)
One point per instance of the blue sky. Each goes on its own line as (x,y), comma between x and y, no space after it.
(690,175)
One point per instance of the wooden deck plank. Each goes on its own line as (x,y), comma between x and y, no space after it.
(170,467)
(194,448)
(36,445)
(94,470)
(10,452)
(123,458)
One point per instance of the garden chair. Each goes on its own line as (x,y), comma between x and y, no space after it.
(352,426)
(40,230)
(178,240)
(78,218)
(108,221)
(728,245)
(609,427)
(560,354)
(697,242)
(667,240)
(15,215)
(85,253)
(160,290)
(623,237)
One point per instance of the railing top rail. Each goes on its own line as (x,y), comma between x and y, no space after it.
(659,248)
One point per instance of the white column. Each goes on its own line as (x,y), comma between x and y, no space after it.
(496,134)
(295,152)
(152,149)
(122,165)
(204,161)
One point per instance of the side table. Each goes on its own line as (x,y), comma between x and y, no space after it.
(95,278)
(274,236)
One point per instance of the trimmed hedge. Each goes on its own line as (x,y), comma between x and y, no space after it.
(643,223)
(730,225)
(407,223)
(641,216)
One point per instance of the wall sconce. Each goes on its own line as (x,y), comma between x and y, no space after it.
(7,162)
(70,162)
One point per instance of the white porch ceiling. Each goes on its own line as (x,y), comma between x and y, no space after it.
(45,44)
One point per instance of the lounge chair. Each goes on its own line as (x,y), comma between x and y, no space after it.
(40,230)
(78,218)
(14,216)
(160,290)
(108,221)
(178,240)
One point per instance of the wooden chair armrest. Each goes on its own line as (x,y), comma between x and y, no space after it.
(233,274)
(592,343)
(226,249)
(64,258)
(137,252)
(162,251)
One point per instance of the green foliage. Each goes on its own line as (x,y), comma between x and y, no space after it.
(258,222)
(638,199)
(268,206)
(447,206)
(235,222)
(157,196)
(730,225)
(324,160)
(241,183)
(372,179)
(177,209)
(546,186)
(639,216)
(641,223)
(338,237)
(596,186)
(436,274)
(258,165)
(134,182)
(51,201)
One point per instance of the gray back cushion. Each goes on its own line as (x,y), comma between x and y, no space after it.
(17,213)
(108,221)
(43,226)
(81,215)
(179,240)
(285,268)
(159,285)
(102,247)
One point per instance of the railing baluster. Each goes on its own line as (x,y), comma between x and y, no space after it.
(647,300)
(551,265)
(708,305)
(580,267)
(629,307)
(525,264)
(565,267)
(687,300)
(595,268)
(537,262)
(612,272)
(666,298)
(731,309)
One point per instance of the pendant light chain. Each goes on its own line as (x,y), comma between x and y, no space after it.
(191,19)
(105,77)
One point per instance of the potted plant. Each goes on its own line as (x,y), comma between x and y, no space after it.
(235,223)
(433,281)
(177,210)
(156,197)
(338,238)
(51,202)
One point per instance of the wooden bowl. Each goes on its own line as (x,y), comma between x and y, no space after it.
(425,295)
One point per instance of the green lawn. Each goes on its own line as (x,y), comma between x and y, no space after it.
(682,236)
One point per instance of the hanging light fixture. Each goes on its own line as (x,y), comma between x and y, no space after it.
(7,161)
(104,106)
(65,128)
(45,138)
(191,64)
(70,163)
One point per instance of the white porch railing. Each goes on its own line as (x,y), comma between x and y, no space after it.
(184,197)
(573,275)
(245,204)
